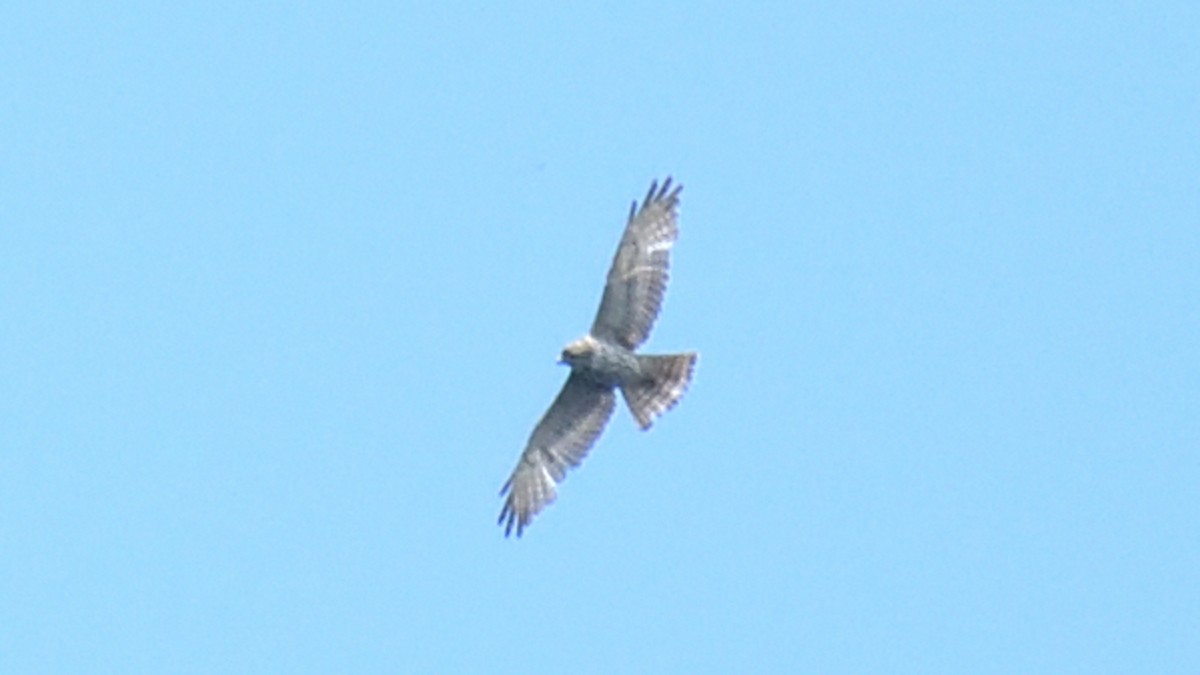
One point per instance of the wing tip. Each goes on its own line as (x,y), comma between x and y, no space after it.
(657,194)
(668,193)
(509,517)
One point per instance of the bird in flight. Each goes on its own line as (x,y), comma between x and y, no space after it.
(604,360)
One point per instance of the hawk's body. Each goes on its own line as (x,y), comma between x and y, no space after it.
(604,360)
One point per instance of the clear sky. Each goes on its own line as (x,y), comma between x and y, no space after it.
(282,291)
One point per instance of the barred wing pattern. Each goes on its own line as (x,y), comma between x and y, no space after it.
(559,442)
(638,276)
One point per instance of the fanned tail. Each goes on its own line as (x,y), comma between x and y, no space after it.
(665,379)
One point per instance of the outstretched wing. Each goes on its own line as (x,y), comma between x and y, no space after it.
(638,276)
(559,442)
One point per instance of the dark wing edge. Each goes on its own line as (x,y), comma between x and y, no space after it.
(559,442)
(637,279)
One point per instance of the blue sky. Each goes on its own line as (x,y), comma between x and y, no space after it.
(282,289)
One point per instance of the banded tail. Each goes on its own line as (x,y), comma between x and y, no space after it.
(665,379)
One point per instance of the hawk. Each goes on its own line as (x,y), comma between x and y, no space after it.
(604,361)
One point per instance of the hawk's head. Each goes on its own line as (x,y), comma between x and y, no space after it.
(578,350)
